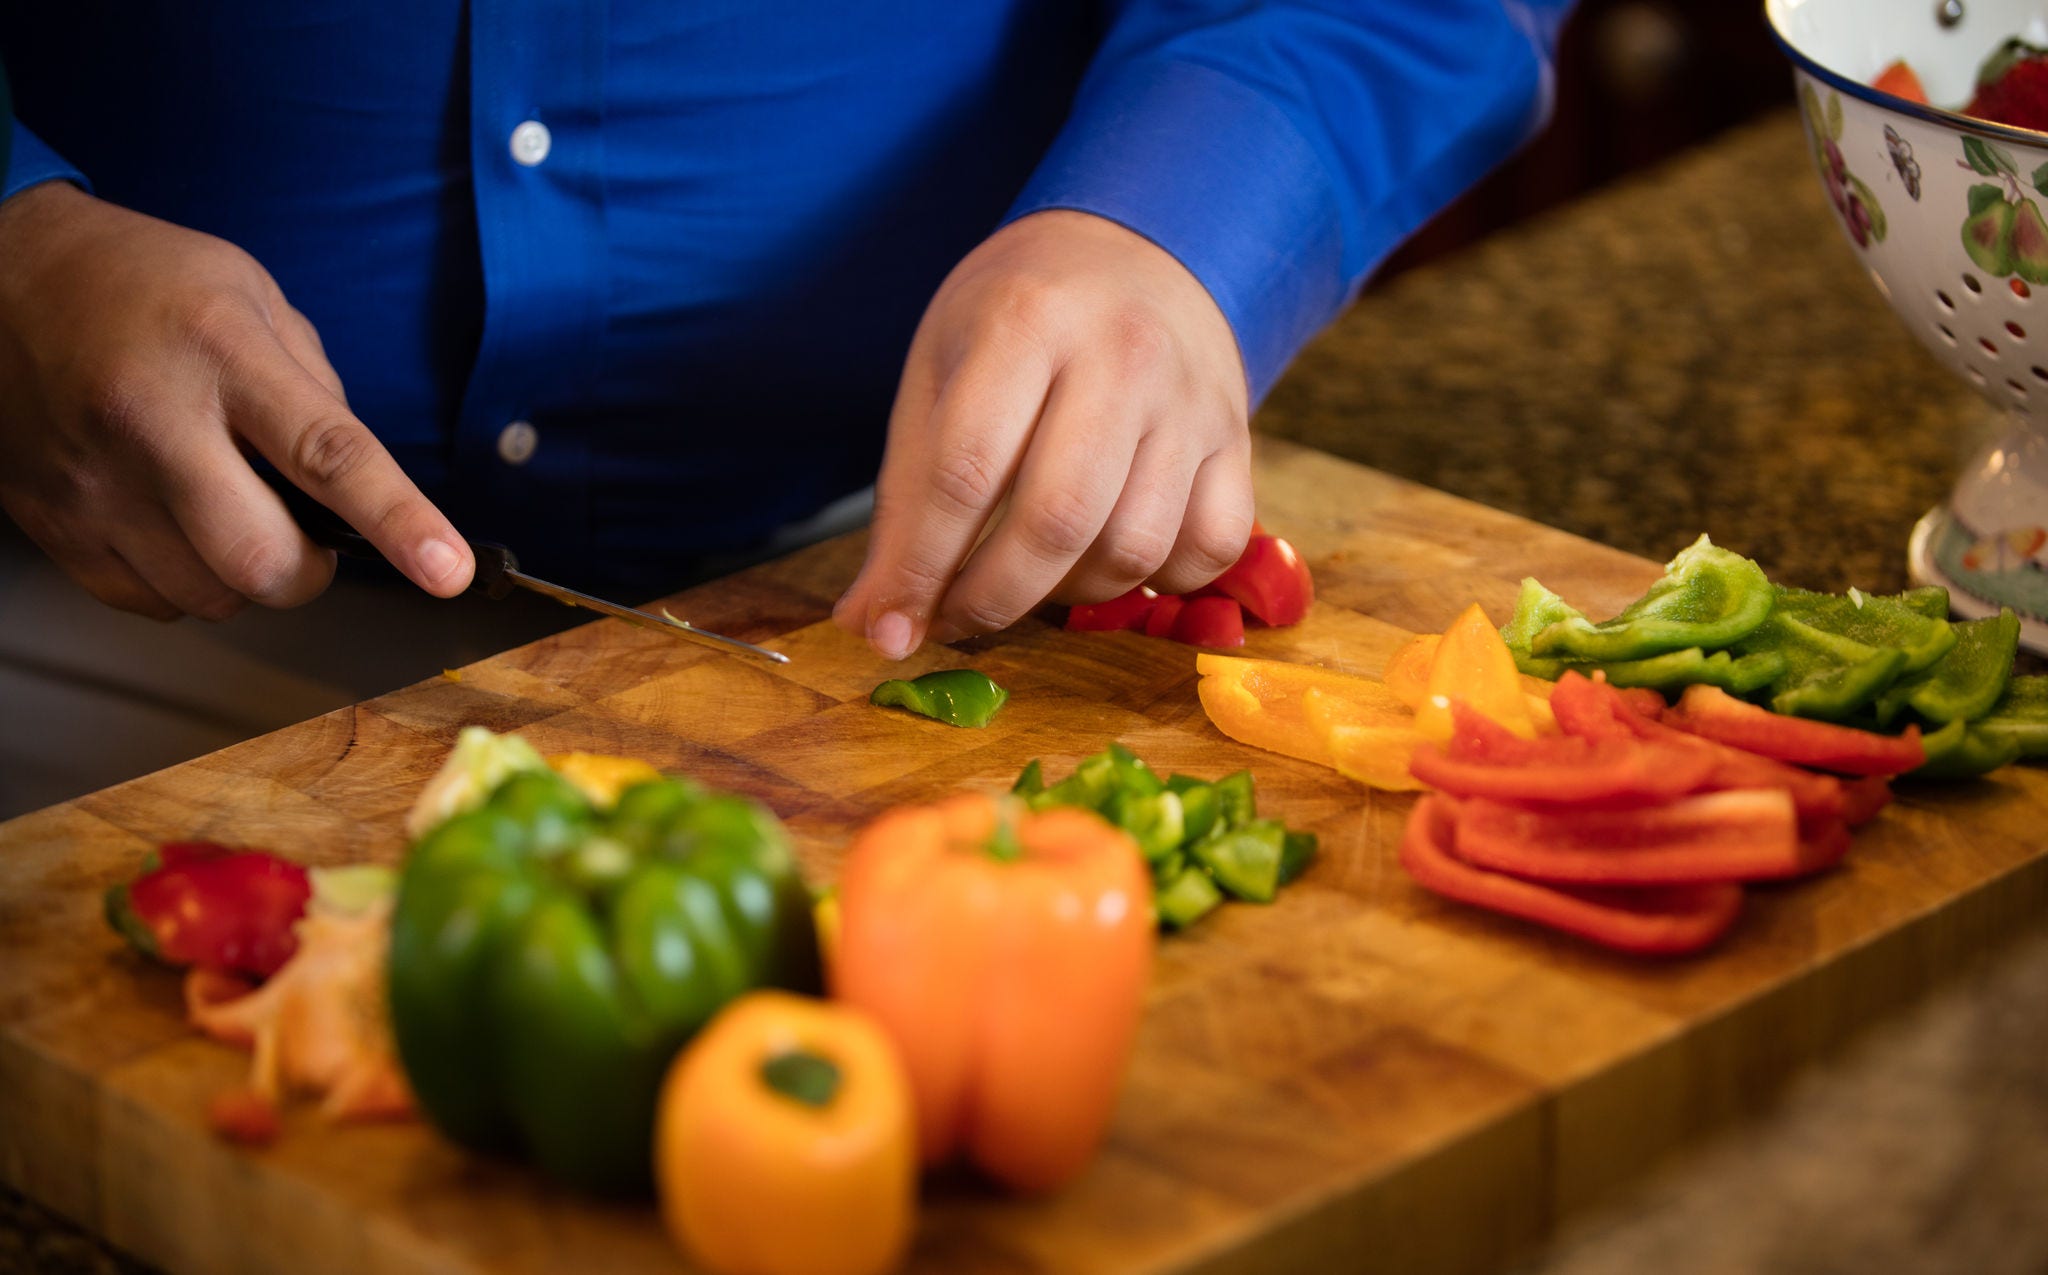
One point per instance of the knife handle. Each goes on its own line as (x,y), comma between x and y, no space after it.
(495,564)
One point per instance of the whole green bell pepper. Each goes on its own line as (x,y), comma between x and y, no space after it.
(549,958)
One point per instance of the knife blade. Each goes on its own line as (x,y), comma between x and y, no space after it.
(498,573)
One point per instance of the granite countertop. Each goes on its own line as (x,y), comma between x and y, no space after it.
(1696,349)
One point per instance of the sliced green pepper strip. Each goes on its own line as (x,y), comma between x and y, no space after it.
(1187,898)
(1929,600)
(1827,675)
(1536,609)
(1960,750)
(955,696)
(1967,682)
(1709,597)
(2021,716)
(1875,621)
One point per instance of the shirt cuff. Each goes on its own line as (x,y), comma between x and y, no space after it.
(30,163)
(1162,151)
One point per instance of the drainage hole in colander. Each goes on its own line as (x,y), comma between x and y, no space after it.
(2018,332)
(1970,282)
(2021,290)
(1975,375)
(1989,348)
(1946,335)
(1942,297)
(2018,390)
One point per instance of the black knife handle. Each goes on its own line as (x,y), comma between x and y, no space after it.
(494,562)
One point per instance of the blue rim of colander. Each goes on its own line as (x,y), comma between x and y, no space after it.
(1893,102)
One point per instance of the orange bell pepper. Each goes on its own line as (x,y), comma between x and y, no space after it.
(1407,671)
(1006,953)
(784,1142)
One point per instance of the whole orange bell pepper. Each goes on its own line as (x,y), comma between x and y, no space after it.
(784,1142)
(1006,952)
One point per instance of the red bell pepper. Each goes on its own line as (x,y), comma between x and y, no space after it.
(1713,713)
(1164,613)
(197,903)
(1270,580)
(1649,920)
(1216,622)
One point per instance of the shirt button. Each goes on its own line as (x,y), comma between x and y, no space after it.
(531,142)
(517,442)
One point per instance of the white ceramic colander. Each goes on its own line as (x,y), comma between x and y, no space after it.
(1950,216)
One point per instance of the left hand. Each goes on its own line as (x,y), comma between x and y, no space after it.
(1078,372)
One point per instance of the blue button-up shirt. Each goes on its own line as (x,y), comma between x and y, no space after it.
(684,244)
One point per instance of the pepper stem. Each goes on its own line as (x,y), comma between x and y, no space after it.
(802,1076)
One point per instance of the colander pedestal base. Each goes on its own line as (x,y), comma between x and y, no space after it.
(1982,573)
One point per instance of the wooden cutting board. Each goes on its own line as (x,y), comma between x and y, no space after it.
(1361,1076)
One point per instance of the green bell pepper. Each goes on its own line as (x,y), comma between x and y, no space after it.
(2021,715)
(549,958)
(955,696)
(1709,597)
(1960,750)
(1968,681)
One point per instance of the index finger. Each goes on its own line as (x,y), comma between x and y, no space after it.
(942,477)
(320,446)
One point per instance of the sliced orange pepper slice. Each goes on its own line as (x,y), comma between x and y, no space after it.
(1473,664)
(1264,703)
(1407,672)
(1367,744)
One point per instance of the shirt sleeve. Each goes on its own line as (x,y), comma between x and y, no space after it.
(30,163)
(1281,151)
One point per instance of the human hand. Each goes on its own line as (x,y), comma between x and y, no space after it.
(1073,390)
(138,361)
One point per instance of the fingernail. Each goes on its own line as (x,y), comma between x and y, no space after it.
(891,635)
(439,559)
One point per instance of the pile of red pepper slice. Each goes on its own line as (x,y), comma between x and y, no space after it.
(1637,825)
(1269,580)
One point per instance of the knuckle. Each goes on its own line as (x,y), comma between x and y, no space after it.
(258,567)
(978,615)
(1209,550)
(1056,524)
(328,452)
(964,482)
(1136,340)
(1030,305)
(1134,554)
(217,324)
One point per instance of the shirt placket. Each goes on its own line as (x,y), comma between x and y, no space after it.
(537,162)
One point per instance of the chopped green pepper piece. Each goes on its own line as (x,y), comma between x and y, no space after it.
(1967,682)
(1709,597)
(1032,781)
(1961,751)
(1297,851)
(1200,807)
(1187,898)
(2021,716)
(1153,820)
(1237,804)
(1246,861)
(1131,772)
(955,696)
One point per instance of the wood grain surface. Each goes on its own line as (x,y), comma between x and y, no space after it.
(1361,1076)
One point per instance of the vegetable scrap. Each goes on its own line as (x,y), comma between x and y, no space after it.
(1269,581)
(1201,840)
(197,903)
(957,696)
(980,933)
(550,954)
(784,1142)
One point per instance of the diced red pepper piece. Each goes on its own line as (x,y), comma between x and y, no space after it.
(1126,611)
(1164,612)
(201,904)
(1725,836)
(1713,713)
(1483,759)
(1214,622)
(1270,581)
(1648,920)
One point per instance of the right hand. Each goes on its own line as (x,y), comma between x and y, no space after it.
(138,362)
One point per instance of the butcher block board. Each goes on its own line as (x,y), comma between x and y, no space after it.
(1361,1076)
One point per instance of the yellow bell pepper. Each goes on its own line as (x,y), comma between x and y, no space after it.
(1264,703)
(785,1143)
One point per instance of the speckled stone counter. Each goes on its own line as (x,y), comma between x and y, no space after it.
(1695,350)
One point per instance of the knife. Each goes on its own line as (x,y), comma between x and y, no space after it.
(498,573)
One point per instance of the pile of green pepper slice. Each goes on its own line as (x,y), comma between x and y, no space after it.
(1855,658)
(1202,839)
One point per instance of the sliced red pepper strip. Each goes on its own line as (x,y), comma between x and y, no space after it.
(1126,611)
(1748,835)
(1863,798)
(1823,843)
(1483,759)
(1665,920)
(1713,713)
